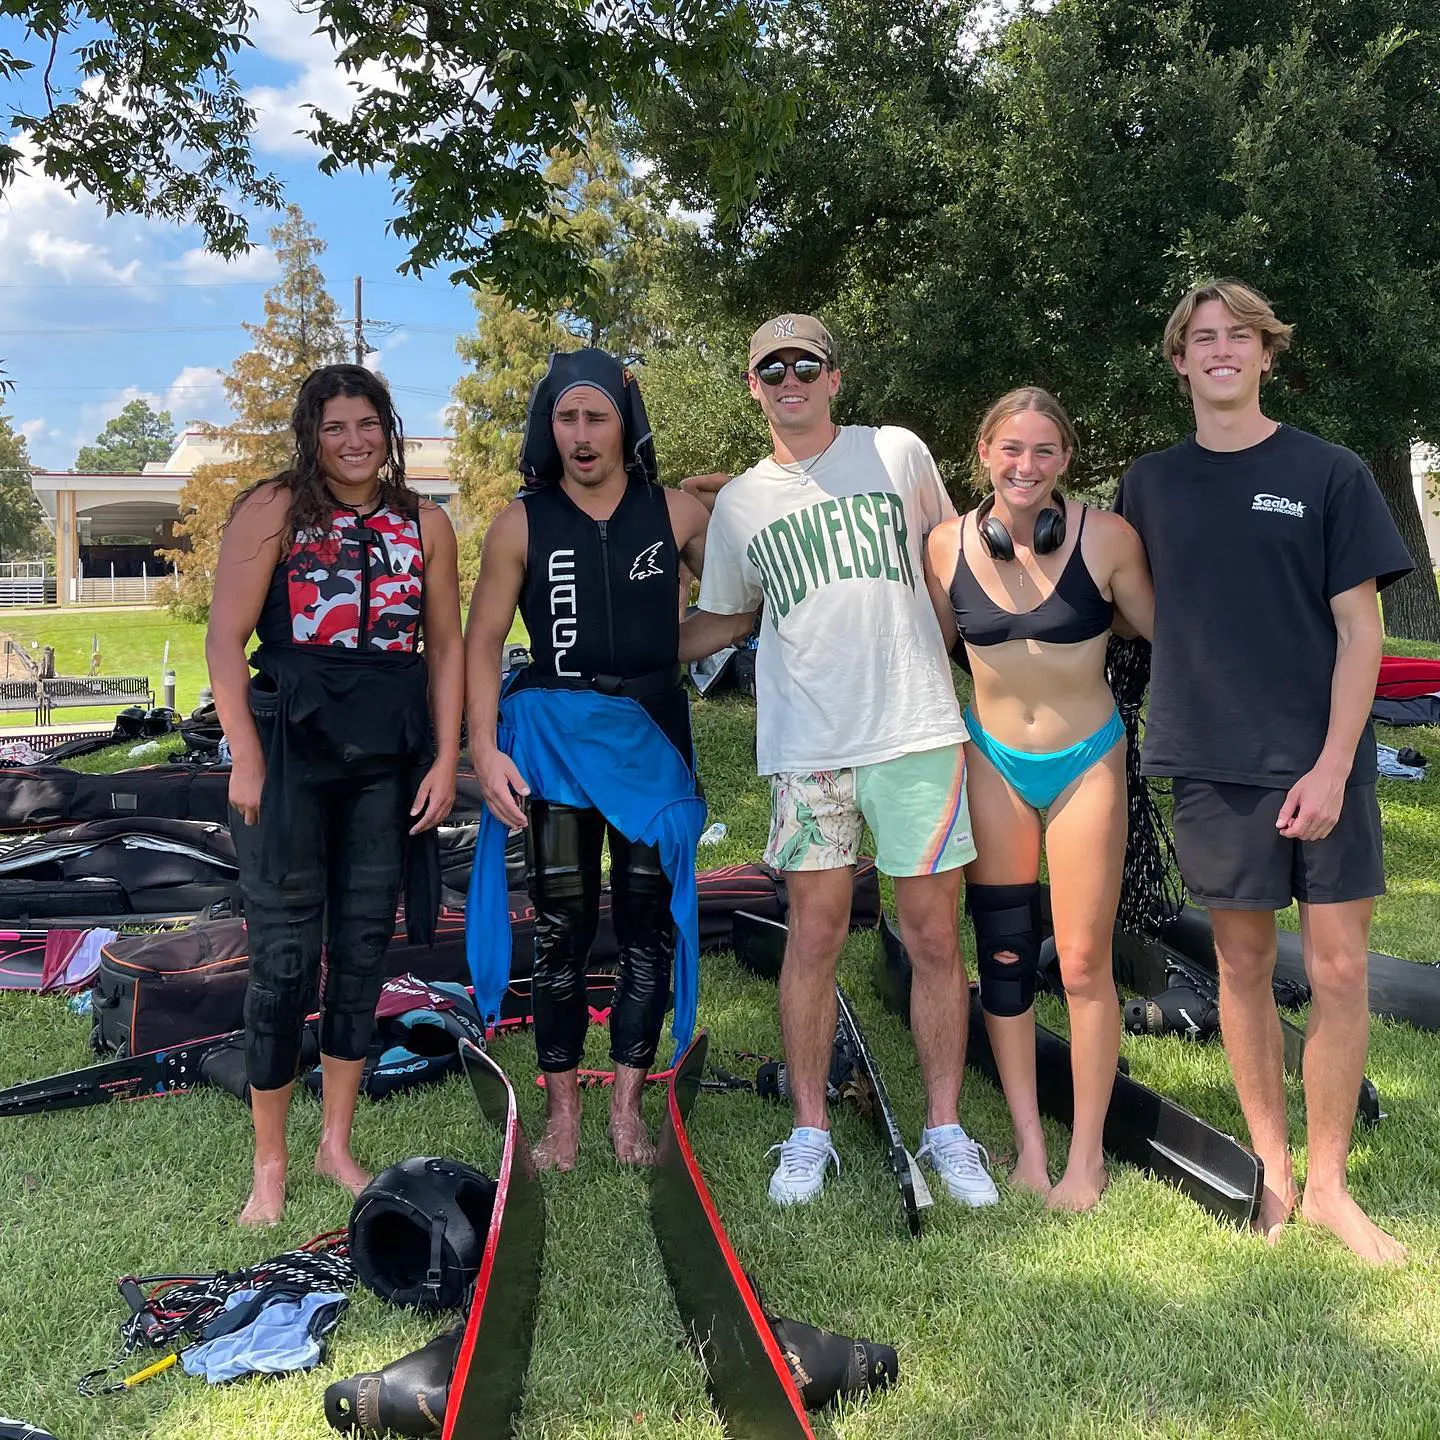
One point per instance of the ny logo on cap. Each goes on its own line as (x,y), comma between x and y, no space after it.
(784,328)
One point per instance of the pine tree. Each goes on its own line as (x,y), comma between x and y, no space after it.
(301,332)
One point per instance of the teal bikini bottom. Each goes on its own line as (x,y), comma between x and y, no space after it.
(1039,777)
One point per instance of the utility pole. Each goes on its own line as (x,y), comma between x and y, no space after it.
(359,326)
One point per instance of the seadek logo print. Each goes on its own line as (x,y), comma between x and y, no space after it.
(643,566)
(1279,505)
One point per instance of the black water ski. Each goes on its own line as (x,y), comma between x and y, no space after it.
(1405,990)
(1142,1127)
(1145,965)
(744,1368)
(157,1072)
(489,1379)
(760,948)
(875,1104)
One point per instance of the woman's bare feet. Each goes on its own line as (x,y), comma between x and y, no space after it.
(1080,1187)
(628,1134)
(267,1195)
(335,1162)
(1337,1212)
(1031,1170)
(559,1147)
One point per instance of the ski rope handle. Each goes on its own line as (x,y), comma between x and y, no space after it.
(1151,891)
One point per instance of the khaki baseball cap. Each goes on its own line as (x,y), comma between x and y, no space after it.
(792,332)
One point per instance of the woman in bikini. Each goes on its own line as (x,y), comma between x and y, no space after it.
(1031,585)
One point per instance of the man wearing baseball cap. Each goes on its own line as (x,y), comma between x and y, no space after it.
(858,722)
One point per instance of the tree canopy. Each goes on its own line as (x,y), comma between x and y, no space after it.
(460,104)
(129,442)
(972,213)
(22,532)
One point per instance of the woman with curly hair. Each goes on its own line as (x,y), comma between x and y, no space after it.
(344,744)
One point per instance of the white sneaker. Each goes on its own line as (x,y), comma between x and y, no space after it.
(960,1163)
(804,1158)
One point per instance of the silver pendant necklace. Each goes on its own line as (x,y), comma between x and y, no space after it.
(802,468)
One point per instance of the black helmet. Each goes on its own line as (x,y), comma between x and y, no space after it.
(417,1232)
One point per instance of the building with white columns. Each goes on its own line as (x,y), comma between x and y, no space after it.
(109,528)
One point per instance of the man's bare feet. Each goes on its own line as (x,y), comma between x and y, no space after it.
(632,1142)
(559,1147)
(1030,1171)
(628,1134)
(1080,1187)
(267,1195)
(1275,1210)
(1337,1212)
(338,1164)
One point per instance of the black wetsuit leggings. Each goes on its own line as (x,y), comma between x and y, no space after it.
(348,827)
(563,855)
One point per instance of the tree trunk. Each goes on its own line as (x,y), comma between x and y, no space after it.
(1411,605)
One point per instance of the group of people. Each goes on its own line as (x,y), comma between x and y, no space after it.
(1250,554)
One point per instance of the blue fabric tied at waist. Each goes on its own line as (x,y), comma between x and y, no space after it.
(582,748)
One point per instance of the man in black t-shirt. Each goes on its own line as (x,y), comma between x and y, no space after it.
(1268,547)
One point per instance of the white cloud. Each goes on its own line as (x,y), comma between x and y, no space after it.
(44,228)
(38,431)
(77,259)
(204,266)
(196,393)
(285,32)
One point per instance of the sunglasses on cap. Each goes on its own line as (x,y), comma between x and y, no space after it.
(772,371)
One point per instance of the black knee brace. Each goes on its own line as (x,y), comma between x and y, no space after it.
(645,929)
(565,889)
(1006,918)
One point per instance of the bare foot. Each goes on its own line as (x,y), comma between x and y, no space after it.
(559,1147)
(1079,1188)
(1275,1210)
(631,1139)
(341,1166)
(1337,1212)
(267,1196)
(1030,1170)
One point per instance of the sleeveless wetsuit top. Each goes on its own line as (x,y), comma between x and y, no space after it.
(1072,612)
(601,600)
(358,585)
(342,677)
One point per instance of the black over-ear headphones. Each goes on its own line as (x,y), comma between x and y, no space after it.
(995,538)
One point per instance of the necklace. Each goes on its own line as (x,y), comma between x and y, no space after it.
(802,468)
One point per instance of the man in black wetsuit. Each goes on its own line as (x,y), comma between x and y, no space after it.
(590,554)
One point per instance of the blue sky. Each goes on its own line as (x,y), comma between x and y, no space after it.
(96,310)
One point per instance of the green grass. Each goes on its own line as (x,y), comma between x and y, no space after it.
(1146,1318)
(132,642)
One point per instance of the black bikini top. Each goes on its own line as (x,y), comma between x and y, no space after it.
(1074,611)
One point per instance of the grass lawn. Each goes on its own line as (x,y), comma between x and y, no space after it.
(132,642)
(1146,1318)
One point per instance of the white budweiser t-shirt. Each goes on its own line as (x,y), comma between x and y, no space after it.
(852,667)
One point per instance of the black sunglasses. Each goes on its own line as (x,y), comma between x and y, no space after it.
(772,372)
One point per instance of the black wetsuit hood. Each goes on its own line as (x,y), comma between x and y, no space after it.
(540,462)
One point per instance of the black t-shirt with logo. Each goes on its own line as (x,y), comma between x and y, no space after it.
(1248,548)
